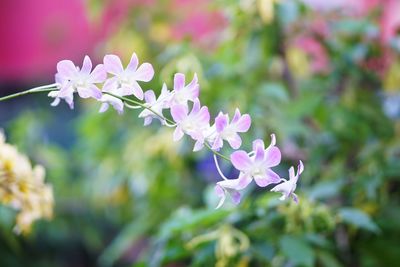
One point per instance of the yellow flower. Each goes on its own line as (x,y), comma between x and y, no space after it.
(22,187)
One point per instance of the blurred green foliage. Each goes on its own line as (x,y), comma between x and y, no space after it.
(128,196)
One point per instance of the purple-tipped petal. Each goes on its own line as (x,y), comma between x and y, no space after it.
(220,192)
(103,107)
(258,143)
(86,66)
(291,173)
(145,72)
(99,74)
(179,112)
(234,141)
(148,120)
(198,146)
(150,97)
(259,152)
(243,182)
(178,134)
(110,85)
(203,116)
(91,91)
(118,105)
(133,63)
(270,178)
(241,160)
(179,81)
(66,69)
(137,90)
(236,116)
(272,156)
(243,124)
(196,106)
(113,64)
(235,195)
(295,198)
(221,121)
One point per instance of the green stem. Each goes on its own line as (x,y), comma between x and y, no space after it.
(40,89)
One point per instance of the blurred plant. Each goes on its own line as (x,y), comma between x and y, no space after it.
(22,188)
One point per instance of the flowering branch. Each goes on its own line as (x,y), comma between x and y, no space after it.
(188,118)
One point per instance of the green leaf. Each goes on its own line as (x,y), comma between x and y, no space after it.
(358,218)
(297,251)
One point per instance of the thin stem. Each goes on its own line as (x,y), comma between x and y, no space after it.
(45,88)
(217,153)
(125,99)
(218,168)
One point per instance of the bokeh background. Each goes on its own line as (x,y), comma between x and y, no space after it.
(324,76)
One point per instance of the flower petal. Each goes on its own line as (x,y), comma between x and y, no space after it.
(103,107)
(66,69)
(86,66)
(144,73)
(178,134)
(258,143)
(221,121)
(179,112)
(203,117)
(137,90)
(179,81)
(150,97)
(113,64)
(133,63)
(234,141)
(270,178)
(243,124)
(273,156)
(235,195)
(259,153)
(99,74)
(220,192)
(241,160)
(90,91)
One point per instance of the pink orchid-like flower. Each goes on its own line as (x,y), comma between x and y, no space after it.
(288,187)
(258,163)
(156,105)
(71,79)
(183,93)
(127,79)
(195,124)
(229,131)
(231,187)
(108,100)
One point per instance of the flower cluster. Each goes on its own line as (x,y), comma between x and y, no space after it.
(186,115)
(22,187)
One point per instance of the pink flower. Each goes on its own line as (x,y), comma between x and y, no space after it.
(230,187)
(288,186)
(258,163)
(108,100)
(183,93)
(127,79)
(229,131)
(72,79)
(156,105)
(195,124)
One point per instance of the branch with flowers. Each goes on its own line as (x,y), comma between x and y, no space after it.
(121,89)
